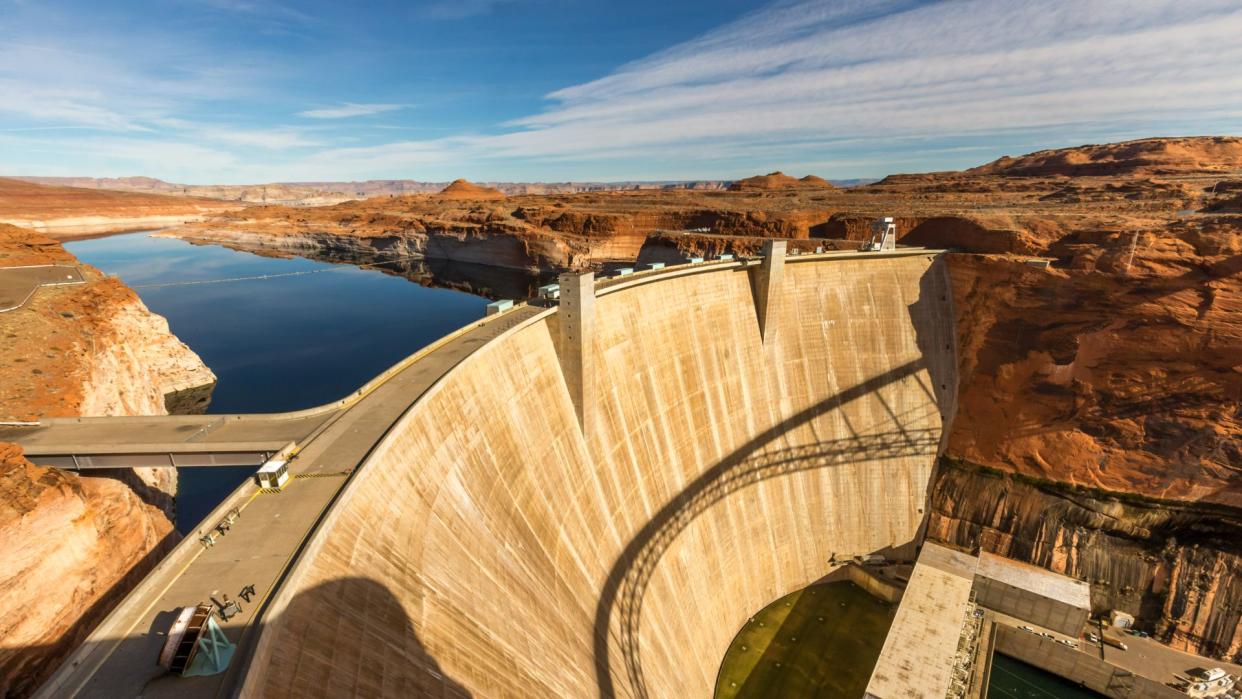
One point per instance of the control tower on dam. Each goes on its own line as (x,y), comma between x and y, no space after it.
(593,503)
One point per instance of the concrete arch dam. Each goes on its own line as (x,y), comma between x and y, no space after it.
(594,502)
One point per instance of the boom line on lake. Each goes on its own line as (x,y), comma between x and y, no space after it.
(225,280)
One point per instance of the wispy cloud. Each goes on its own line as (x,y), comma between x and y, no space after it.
(852,82)
(279,138)
(349,109)
(809,74)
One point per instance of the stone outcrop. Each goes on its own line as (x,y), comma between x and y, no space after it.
(1101,400)
(72,545)
(1090,376)
(461,189)
(778,180)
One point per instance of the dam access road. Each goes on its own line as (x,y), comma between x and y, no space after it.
(576,501)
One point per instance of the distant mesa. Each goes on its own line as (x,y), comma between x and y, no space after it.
(815,181)
(1148,156)
(778,180)
(461,189)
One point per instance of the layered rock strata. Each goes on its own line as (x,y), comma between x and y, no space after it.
(72,545)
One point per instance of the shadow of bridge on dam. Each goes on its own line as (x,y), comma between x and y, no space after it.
(746,466)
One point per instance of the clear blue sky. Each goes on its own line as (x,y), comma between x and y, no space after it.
(249,90)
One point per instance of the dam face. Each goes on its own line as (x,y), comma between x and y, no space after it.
(492,546)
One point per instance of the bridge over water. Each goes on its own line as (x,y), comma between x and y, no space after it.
(584,500)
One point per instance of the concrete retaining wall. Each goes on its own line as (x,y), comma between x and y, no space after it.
(1078,666)
(878,587)
(491,546)
(1029,606)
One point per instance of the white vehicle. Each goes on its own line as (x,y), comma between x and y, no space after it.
(273,474)
(1024,627)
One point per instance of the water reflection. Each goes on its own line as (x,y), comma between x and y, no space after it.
(480,280)
(290,342)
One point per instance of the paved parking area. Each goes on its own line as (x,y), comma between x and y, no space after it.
(18,284)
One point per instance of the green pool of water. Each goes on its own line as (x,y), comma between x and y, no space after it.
(819,642)
(1014,679)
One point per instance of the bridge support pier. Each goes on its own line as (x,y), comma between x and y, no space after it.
(767,283)
(577,321)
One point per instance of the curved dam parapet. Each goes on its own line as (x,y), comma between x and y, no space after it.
(503,540)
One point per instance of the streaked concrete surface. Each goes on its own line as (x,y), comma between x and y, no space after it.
(1034,594)
(918,654)
(493,545)
(454,527)
(118,658)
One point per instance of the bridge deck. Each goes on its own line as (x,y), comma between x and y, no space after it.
(119,658)
(149,441)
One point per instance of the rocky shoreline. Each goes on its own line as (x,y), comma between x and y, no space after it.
(73,545)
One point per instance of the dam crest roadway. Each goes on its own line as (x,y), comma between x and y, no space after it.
(522,507)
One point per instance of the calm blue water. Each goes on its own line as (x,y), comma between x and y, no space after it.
(276,344)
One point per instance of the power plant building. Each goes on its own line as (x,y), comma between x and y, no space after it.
(1033,594)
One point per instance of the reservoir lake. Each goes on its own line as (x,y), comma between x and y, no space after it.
(307,337)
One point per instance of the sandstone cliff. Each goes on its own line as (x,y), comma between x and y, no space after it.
(1177,566)
(1143,156)
(68,211)
(528,232)
(72,545)
(325,193)
(1100,397)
